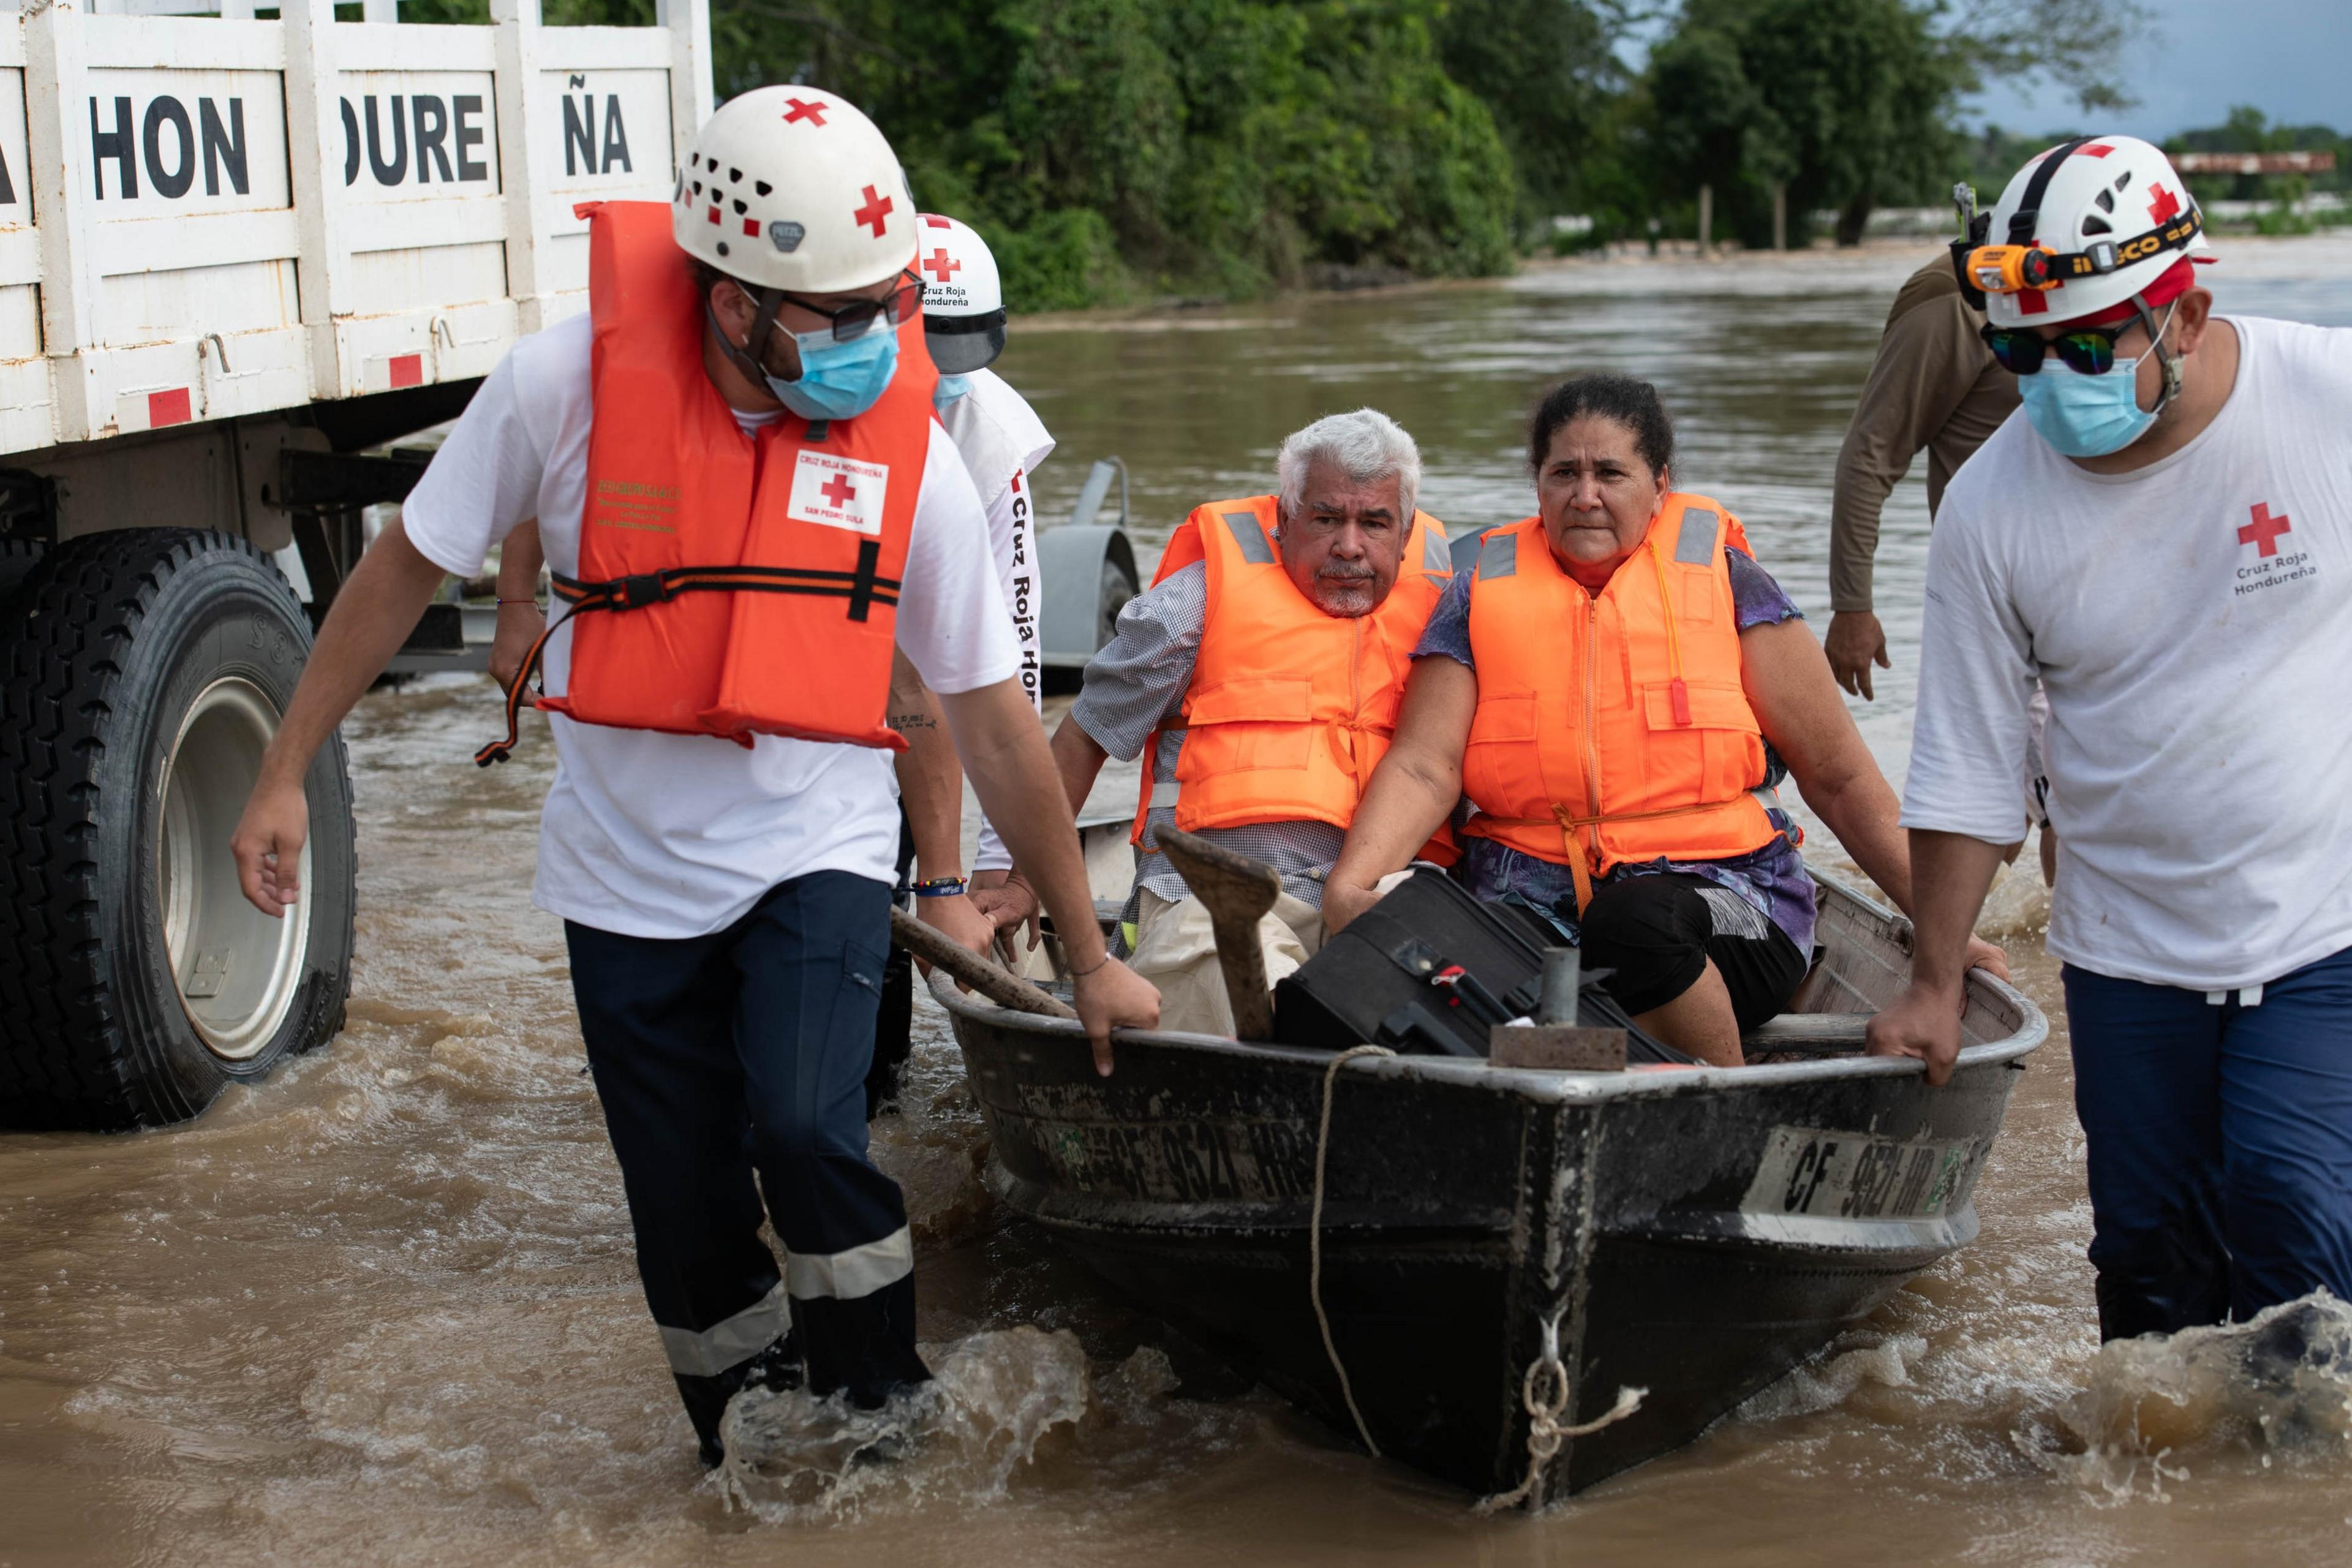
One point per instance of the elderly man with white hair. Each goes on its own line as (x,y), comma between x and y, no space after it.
(1264,668)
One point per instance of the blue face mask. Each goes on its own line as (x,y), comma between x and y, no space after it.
(2086,416)
(950,388)
(838,380)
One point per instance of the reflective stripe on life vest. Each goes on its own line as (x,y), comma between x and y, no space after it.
(1289,708)
(729,585)
(1614,727)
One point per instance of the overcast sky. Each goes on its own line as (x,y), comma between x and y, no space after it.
(2290,59)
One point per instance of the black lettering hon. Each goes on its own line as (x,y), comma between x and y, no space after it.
(169,145)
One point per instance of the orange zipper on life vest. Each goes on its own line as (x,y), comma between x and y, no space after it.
(1677,688)
(1355,705)
(1592,753)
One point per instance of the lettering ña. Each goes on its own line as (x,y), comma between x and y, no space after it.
(425,122)
(170,171)
(581,150)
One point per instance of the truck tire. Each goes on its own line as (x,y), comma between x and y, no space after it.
(144,671)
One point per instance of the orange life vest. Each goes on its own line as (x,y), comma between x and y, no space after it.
(749,585)
(1613,726)
(1290,708)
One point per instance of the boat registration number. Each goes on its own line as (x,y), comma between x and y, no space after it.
(1851,1176)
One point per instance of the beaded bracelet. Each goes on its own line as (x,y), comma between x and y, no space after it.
(940,887)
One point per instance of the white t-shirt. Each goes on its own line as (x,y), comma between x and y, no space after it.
(1002,441)
(677,836)
(2192,621)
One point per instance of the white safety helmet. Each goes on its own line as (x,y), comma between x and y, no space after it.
(963,300)
(791,189)
(2082,229)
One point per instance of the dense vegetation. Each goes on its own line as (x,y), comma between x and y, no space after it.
(1116,148)
(1113,150)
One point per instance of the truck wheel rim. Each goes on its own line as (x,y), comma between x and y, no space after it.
(236,970)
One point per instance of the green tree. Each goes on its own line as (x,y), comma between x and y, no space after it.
(2071,42)
(1849,102)
(1548,71)
(1180,145)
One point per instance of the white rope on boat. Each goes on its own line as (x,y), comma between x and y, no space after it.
(1546,1391)
(1315,1236)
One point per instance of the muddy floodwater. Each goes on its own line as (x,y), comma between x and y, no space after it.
(381,1308)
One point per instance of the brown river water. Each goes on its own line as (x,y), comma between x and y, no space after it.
(381,1309)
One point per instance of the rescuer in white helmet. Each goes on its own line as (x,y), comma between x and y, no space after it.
(1001,442)
(2163,536)
(746,501)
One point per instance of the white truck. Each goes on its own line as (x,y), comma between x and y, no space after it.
(236,254)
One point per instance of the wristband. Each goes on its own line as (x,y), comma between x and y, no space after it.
(940,887)
(532,603)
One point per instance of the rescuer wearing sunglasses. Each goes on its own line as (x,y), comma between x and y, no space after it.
(746,498)
(2164,539)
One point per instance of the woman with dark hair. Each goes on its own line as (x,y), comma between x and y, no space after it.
(1614,690)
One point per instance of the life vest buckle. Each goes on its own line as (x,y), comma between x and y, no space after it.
(641,589)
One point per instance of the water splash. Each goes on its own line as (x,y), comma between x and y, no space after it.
(991,1399)
(2018,906)
(1829,1379)
(2278,1387)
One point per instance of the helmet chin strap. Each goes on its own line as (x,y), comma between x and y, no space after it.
(2168,362)
(748,357)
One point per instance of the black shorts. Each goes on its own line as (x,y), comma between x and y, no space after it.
(1657,932)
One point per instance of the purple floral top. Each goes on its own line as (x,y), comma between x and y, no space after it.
(1772,881)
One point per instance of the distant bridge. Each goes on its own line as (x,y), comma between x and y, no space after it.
(2318,163)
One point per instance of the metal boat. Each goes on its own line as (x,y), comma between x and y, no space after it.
(1692,1234)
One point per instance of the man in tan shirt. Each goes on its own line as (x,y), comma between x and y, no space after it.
(1934,386)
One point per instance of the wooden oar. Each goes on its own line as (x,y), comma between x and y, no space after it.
(1237,892)
(1004,990)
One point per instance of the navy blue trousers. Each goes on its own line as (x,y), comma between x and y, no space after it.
(732,1066)
(2220,1144)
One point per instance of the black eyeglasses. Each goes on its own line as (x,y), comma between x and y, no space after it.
(852,319)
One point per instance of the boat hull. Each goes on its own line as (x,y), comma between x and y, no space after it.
(1693,1233)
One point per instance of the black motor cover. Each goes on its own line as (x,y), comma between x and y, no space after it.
(1431,970)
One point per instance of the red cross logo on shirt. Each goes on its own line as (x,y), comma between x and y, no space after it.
(2161,204)
(2264,531)
(837,490)
(801,109)
(872,213)
(943,266)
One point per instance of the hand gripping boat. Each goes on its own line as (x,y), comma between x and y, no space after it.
(1504,1252)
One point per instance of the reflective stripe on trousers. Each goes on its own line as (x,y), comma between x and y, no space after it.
(737,1339)
(857,1271)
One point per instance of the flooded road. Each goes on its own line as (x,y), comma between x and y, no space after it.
(382,1309)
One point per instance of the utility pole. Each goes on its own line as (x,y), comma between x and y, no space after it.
(1706,218)
(1779,214)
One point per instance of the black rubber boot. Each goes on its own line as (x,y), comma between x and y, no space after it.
(778,1367)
